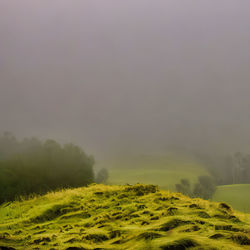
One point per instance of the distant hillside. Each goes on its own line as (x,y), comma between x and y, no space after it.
(162,170)
(121,217)
(237,195)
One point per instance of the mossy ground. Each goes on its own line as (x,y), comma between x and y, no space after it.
(121,217)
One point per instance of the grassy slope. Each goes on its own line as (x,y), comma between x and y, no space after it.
(121,217)
(164,171)
(237,195)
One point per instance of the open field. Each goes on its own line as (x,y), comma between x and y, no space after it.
(164,171)
(237,195)
(121,217)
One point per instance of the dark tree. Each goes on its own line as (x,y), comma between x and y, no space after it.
(184,187)
(205,188)
(102,176)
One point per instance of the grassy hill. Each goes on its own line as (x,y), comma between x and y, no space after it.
(162,170)
(237,195)
(121,217)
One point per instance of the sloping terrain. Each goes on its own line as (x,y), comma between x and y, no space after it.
(163,170)
(121,217)
(238,195)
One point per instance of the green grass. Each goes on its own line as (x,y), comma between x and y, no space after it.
(165,171)
(237,195)
(121,217)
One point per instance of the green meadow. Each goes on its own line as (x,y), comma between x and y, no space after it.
(167,170)
(162,170)
(238,195)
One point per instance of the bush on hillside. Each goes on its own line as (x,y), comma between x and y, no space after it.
(102,176)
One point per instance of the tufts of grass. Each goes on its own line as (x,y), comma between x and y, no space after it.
(203,214)
(149,235)
(180,244)
(96,237)
(241,238)
(174,223)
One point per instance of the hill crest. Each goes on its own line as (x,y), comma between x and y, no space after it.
(121,217)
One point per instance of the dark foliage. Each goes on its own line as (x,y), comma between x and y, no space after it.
(184,187)
(32,166)
(205,188)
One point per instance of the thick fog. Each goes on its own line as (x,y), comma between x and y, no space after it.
(131,75)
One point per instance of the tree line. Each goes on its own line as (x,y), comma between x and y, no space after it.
(230,169)
(35,166)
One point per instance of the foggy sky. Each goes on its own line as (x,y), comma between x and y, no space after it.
(135,74)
